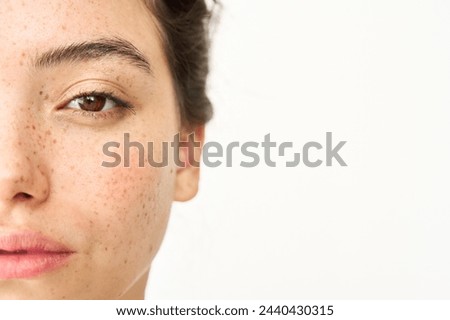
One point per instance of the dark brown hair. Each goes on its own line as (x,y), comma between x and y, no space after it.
(185,31)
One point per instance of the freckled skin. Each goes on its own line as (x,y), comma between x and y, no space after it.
(51,178)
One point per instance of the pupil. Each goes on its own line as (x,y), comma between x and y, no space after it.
(92,103)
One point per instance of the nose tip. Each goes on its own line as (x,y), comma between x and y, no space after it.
(22,182)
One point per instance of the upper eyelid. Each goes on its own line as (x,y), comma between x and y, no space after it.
(105,94)
(94,85)
(116,95)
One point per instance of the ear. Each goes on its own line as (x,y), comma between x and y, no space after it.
(190,152)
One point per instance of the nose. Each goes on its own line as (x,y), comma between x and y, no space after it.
(23,178)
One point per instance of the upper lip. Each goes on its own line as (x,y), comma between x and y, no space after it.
(29,242)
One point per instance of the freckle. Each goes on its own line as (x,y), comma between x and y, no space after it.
(40,93)
(126,261)
(54,141)
(48,132)
(72,168)
(33,126)
(46,97)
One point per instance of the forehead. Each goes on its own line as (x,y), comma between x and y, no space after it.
(33,26)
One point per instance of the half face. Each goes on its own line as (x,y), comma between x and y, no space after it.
(75,75)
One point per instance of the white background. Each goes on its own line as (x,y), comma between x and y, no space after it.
(376,73)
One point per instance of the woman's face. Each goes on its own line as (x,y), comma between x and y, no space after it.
(70,82)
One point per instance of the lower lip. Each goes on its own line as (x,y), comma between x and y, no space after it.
(29,265)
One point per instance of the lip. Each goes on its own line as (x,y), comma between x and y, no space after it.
(30,254)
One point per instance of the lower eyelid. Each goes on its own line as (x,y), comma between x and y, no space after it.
(109,114)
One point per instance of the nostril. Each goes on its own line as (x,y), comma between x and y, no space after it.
(22,196)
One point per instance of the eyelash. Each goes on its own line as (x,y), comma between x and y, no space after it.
(120,104)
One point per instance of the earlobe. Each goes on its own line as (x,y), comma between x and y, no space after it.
(186,186)
(187,176)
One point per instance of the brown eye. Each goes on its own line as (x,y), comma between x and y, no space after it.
(92,103)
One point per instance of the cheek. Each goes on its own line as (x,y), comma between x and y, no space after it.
(119,214)
(132,207)
(136,212)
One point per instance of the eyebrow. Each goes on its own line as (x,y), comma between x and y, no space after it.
(92,50)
